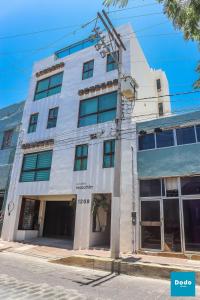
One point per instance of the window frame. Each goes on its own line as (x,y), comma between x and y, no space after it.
(112,62)
(7,140)
(150,181)
(154,137)
(35,170)
(158,85)
(51,109)
(32,124)
(98,112)
(160,109)
(82,157)
(157,136)
(111,154)
(49,88)
(186,127)
(83,72)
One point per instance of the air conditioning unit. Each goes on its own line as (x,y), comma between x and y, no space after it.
(128,88)
(171,187)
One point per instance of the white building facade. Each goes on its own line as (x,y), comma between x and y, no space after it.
(62,179)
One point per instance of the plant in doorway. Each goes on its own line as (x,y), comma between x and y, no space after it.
(99,202)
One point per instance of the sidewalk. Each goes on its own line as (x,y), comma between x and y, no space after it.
(133,264)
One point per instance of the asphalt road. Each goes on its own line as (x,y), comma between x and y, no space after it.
(23,277)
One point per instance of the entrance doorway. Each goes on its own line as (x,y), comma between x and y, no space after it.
(59,219)
(191,213)
(150,225)
(160,225)
(100,221)
(172,235)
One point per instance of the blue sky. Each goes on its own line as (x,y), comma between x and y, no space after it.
(164,47)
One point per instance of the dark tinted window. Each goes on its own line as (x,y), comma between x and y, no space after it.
(150,211)
(49,86)
(81,156)
(88,68)
(160,109)
(198,132)
(165,139)
(146,141)
(190,185)
(185,135)
(111,61)
(158,84)
(149,188)
(7,139)
(52,118)
(98,109)
(108,154)
(33,123)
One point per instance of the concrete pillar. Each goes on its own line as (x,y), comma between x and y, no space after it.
(11,219)
(115,226)
(82,220)
(41,217)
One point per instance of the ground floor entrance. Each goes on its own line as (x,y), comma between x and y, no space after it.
(51,217)
(170,224)
(59,219)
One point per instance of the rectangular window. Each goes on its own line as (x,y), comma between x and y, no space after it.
(98,109)
(146,141)
(108,154)
(185,135)
(88,68)
(81,156)
(28,219)
(52,118)
(198,132)
(33,123)
(1,201)
(49,86)
(7,139)
(111,61)
(190,185)
(160,109)
(36,166)
(150,188)
(158,85)
(165,138)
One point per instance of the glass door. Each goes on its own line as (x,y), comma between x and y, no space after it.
(191,216)
(172,236)
(150,224)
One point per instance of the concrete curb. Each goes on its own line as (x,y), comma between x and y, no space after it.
(123,267)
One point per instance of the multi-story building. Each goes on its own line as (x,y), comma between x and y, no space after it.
(168,190)
(62,180)
(10,120)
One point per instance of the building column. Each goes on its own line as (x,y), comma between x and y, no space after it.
(82,220)
(41,217)
(11,219)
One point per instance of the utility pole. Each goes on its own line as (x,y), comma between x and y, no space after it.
(106,48)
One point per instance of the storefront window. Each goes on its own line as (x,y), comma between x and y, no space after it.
(29,214)
(165,138)
(146,141)
(150,188)
(191,212)
(185,135)
(190,185)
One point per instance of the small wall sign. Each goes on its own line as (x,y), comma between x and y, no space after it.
(83,201)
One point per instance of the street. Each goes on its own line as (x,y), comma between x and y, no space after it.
(23,277)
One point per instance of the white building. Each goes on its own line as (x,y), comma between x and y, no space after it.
(62,178)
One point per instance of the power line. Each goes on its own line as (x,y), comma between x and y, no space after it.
(132,7)
(36,32)
(139,16)
(169,95)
